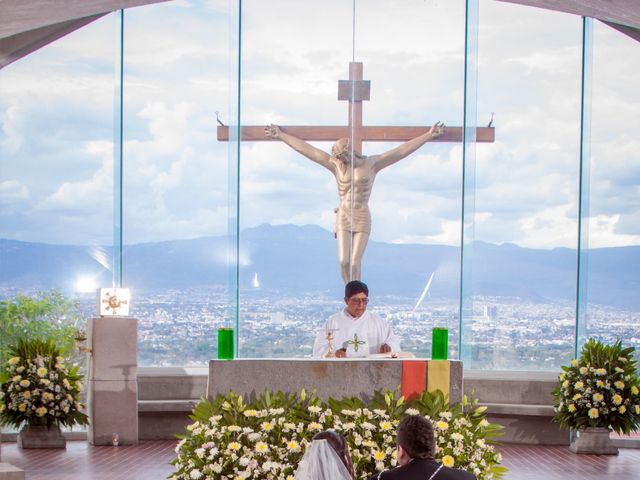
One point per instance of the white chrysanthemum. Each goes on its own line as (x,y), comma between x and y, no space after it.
(293,446)
(442,425)
(448,461)
(385,426)
(379,455)
(262,447)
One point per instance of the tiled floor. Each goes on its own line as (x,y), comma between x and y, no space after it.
(150,460)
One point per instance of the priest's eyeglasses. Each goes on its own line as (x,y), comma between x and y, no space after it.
(359,301)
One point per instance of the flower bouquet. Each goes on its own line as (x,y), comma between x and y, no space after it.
(41,392)
(599,390)
(266,438)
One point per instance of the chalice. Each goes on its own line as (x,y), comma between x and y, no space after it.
(329,336)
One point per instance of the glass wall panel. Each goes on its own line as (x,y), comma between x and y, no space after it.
(56,169)
(526,197)
(175,178)
(290,277)
(612,306)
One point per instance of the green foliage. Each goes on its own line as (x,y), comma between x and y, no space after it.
(265,438)
(599,389)
(46,315)
(38,387)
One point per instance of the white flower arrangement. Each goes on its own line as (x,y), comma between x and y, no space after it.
(599,389)
(38,387)
(266,438)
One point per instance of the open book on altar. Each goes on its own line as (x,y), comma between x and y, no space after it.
(392,355)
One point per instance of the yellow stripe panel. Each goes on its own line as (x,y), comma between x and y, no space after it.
(439,376)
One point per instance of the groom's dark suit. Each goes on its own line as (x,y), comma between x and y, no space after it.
(422,469)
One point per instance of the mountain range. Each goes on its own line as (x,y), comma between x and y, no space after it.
(290,259)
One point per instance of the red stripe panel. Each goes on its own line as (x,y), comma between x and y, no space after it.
(414,378)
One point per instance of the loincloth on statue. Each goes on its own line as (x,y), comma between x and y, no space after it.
(352,220)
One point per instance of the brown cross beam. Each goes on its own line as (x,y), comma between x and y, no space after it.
(355,91)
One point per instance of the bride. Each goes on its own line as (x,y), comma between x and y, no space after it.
(326,458)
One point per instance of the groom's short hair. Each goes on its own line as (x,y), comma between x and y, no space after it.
(415,435)
(354,287)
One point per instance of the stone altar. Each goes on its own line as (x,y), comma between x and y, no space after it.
(336,377)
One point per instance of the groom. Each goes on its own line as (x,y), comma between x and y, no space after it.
(416,447)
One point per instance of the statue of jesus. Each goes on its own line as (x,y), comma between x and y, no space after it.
(354,175)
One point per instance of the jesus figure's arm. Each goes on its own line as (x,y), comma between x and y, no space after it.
(407,148)
(300,146)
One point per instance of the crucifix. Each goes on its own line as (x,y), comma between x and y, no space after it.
(354,172)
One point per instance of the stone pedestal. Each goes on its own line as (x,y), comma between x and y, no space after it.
(595,441)
(41,437)
(9,472)
(112,383)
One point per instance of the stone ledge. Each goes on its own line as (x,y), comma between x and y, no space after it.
(158,406)
(9,472)
(519,409)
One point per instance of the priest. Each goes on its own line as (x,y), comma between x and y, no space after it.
(355,331)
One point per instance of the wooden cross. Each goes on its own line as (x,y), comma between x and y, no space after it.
(355,91)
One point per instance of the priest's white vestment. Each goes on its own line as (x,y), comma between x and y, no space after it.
(360,336)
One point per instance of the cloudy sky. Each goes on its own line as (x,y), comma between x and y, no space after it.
(57,123)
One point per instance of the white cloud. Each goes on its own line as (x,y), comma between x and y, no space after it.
(604,232)
(56,134)
(12,191)
(85,196)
